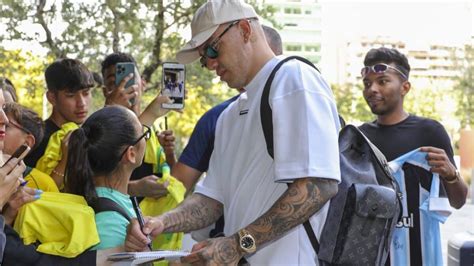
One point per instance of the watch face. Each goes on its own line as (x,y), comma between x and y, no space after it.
(247,242)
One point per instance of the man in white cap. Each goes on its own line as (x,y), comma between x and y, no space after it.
(264,201)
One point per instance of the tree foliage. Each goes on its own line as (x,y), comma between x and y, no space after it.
(25,71)
(464,89)
(351,104)
(151,30)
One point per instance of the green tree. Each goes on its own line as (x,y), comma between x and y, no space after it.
(464,89)
(26,72)
(351,104)
(149,30)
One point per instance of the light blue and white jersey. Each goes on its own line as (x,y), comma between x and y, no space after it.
(434,208)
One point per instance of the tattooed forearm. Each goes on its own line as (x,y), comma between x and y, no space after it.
(195,212)
(302,199)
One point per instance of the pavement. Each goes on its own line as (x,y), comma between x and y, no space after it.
(460,221)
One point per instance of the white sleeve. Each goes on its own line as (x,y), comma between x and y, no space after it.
(305,125)
(209,185)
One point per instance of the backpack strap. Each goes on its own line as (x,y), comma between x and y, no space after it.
(266,118)
(102,204)
(265,109)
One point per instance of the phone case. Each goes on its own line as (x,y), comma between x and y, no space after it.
(121,71)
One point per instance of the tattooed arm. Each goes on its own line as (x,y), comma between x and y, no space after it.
(302,199)
(195,212)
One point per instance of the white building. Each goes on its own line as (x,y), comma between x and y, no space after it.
(432,65)
(302,31)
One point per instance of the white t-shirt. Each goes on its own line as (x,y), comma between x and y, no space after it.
(244,177)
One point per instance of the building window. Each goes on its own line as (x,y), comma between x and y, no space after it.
(293,47)
(312,48)
(314,58)
(307,12)
(289,10)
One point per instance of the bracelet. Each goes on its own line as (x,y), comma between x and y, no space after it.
(58,173)
(455,180)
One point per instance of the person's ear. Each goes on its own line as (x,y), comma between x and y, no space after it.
(406,86)
(130,155)
(245,29)
(30,140)
(51,96)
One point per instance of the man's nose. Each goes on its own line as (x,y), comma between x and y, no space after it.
(81,100)
(373,87)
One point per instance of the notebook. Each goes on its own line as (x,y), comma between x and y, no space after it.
(136,258)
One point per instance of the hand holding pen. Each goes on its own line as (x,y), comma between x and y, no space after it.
(140,219)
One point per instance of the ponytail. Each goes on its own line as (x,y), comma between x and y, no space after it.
(78,175)
(95,149)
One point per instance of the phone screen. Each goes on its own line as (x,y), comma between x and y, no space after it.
(174,75)
(121,71)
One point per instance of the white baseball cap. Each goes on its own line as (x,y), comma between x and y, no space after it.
(206,21)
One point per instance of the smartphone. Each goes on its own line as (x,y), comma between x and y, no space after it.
(20,153)
(121,71)
(174,75)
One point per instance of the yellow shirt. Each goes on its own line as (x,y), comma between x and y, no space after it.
(39,180)
(63,223)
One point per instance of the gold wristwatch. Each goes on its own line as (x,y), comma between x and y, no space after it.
(247,242)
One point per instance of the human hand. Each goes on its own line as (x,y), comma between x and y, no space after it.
(121,95)
(440,163)
(215,251)
(136,239)
(155,108)
(148,187)
(22,196)
(11,176)
(167,139)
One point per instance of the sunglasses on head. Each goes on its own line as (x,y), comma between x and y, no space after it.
(380,69)
(210,50)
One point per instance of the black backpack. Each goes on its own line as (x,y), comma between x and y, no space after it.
(364,212)
(102,204)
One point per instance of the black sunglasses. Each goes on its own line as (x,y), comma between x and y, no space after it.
(210,51)
(380,69)
(146,135)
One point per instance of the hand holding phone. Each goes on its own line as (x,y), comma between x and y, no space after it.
(20,153)
(122,70)
(174,75)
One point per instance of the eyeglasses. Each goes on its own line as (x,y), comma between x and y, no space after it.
(11,123)
(210,50)
(146,135)
(380,69)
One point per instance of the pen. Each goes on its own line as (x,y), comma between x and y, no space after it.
(140,217)
(166,123)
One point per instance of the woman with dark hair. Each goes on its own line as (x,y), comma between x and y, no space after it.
(103,153)
(12,249)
